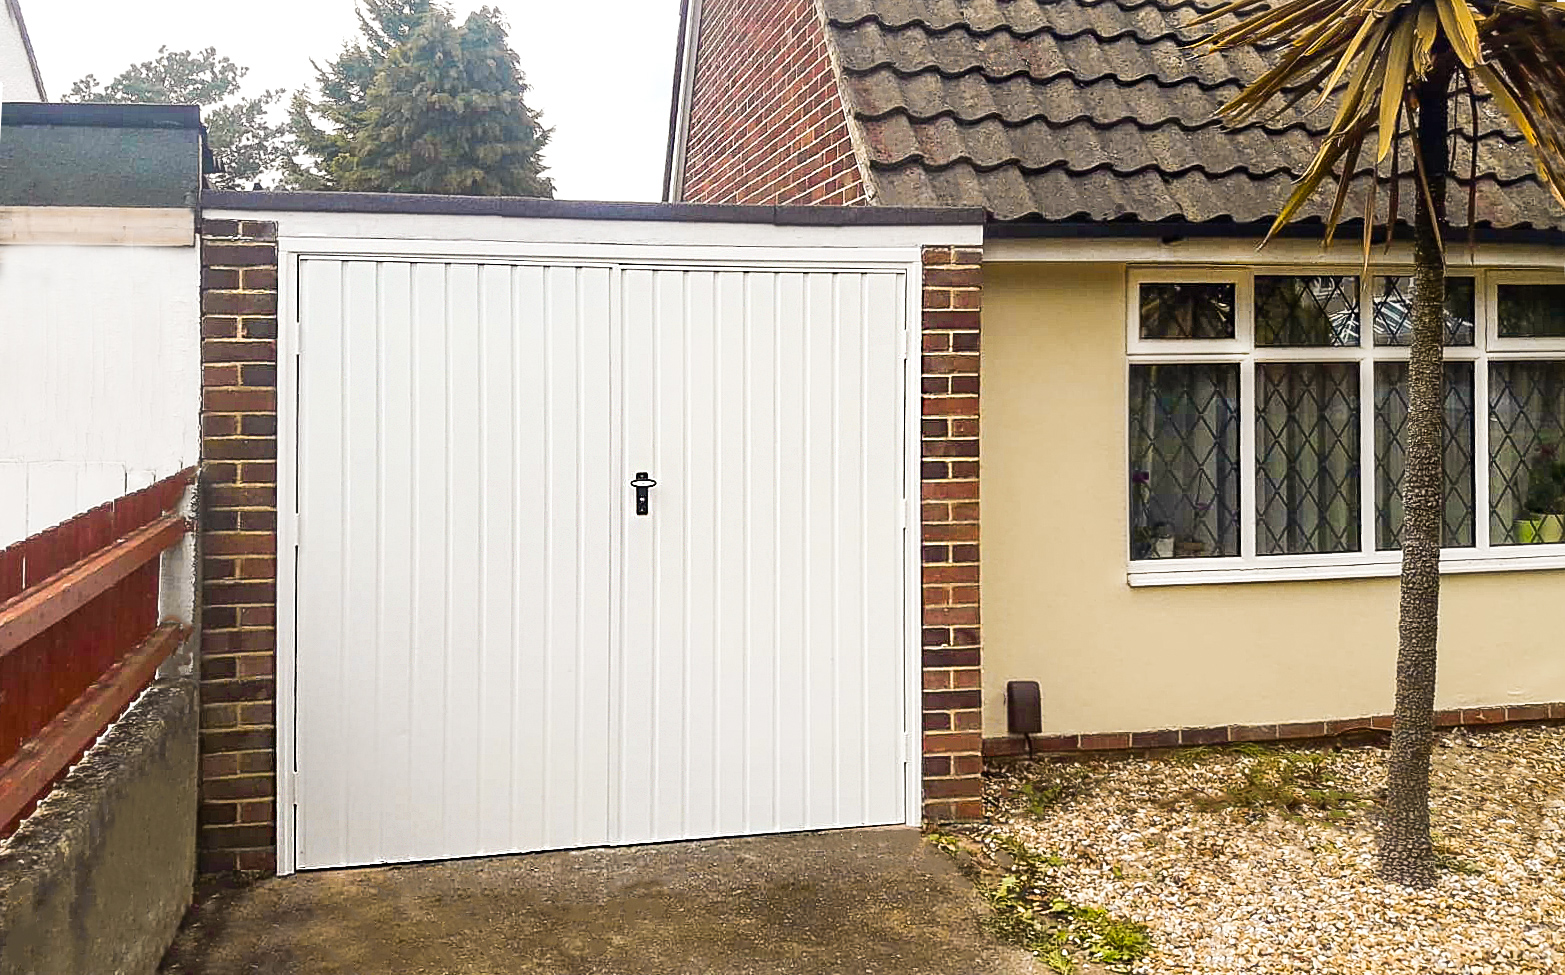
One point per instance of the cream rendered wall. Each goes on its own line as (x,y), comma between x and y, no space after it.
(1057,608)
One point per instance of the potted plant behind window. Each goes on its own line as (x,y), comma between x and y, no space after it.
(1543,516)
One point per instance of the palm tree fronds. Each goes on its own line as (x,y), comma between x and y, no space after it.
(1461,30)
(1398,66)
(1371,55)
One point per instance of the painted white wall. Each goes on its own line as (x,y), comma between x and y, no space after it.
(100,376)
(17,83)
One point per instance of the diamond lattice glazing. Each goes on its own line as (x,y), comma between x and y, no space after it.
(1306,311)
(1184,460)
(1391,408)
(1526,439)
(1307,458)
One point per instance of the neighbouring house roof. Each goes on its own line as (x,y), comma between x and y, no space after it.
(1098,111)
(15,8)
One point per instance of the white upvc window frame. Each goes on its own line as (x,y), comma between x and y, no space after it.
(1526,348)
(1243,280)
(1368,561)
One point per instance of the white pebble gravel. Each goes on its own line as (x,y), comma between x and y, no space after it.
(1234,890)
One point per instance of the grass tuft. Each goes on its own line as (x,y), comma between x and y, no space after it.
(1055,783)
(1289,783)
(1449,857)
(1028,912)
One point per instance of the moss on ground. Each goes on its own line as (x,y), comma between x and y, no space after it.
(1028,910)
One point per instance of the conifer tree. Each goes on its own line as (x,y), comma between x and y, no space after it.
(424,106)
(323,128)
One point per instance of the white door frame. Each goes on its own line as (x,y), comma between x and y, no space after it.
(906,259)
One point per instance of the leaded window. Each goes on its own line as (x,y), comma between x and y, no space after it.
(1391,397)
(1306,310)
(1184,460)
(1393,310)
(1268,420)
(1307,457)
(1526,436)
(1187,310)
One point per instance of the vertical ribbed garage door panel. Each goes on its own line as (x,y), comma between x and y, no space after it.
(453,599)
(426,556)
(320,613)
(496,654)
(885,665)
(762,598)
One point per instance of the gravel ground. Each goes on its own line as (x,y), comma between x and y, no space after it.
(1197,847)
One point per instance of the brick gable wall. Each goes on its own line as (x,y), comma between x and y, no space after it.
(767,124)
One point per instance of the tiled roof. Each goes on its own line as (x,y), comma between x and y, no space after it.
(1099,110)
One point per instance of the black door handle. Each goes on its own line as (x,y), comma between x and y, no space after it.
(643,484)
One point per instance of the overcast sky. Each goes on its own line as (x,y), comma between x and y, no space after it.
(600,73)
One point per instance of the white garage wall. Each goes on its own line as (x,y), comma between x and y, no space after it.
(100,376)
(17,82)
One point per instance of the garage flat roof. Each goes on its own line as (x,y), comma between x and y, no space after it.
(407,203)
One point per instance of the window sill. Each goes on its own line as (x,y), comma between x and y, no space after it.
(1207,572)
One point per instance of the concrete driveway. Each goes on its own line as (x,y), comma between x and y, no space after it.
(848,902)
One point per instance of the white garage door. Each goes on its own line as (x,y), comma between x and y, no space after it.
(495,652)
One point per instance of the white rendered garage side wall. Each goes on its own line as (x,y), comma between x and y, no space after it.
(892,253)
(100,376)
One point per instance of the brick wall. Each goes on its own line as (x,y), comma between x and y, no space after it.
(952,645)
(239,544)
(766,119)
(1294,731)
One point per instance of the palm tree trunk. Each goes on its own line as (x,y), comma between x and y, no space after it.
(1406,854)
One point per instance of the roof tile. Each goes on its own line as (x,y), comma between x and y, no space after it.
(1098,110)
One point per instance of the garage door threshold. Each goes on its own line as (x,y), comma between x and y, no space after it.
(850,901)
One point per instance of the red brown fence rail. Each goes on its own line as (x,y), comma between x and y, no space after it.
(79,634)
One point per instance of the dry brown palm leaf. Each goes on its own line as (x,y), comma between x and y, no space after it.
(1372,55)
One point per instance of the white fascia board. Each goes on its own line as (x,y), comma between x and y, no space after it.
(111,226)
(1248,251)
(456,234)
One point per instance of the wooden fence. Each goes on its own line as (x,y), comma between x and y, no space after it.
(79,634)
